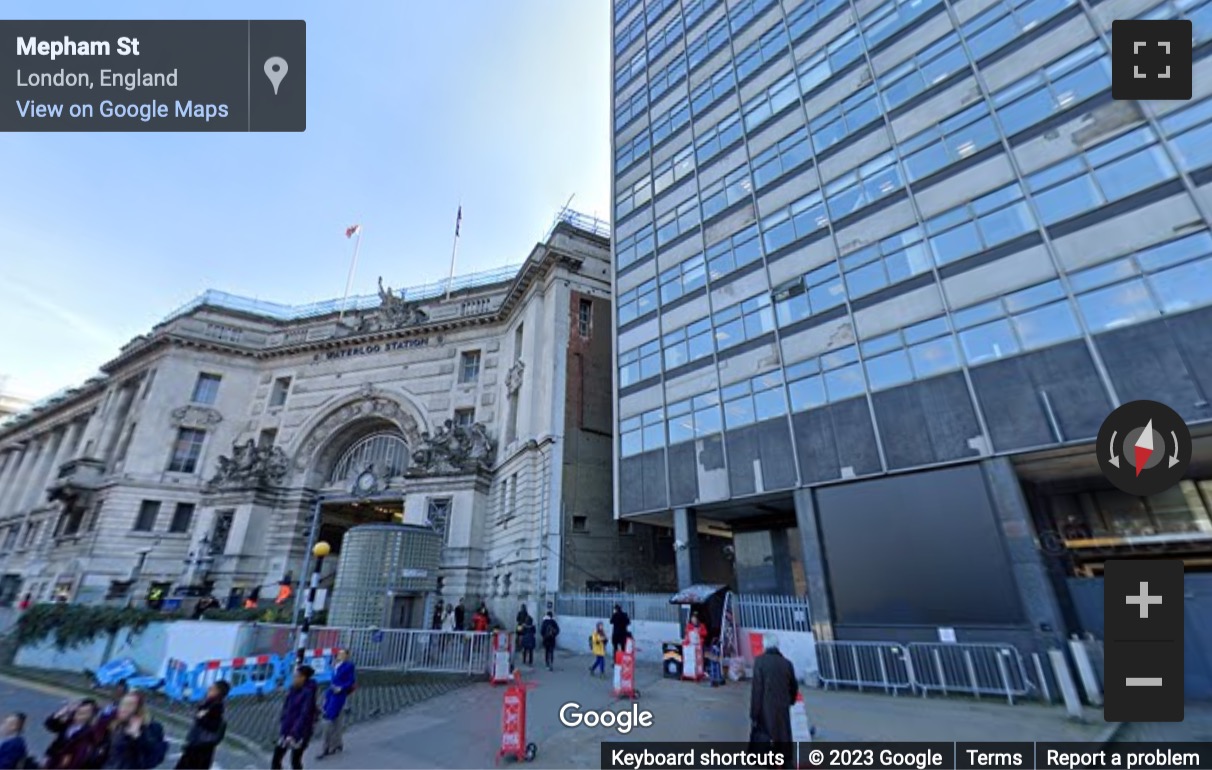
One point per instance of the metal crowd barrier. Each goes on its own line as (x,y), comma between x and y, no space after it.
(865,665)
(396,649)
(924,667)
(971,669)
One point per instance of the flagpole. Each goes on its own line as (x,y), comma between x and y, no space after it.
(353,266)
(454,250)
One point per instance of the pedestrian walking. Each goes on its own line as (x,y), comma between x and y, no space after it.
(479,621)
(597,645)
(773,691)
(344,682)
(460,616)
(298,720)
(549,630)
(528,640)
(25,602)
(14,754)
(207,731)
(136,741)
(619,623)
(77,742)
(438,614)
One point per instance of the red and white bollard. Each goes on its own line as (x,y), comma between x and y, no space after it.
(502,657)
(624,672)
(513,723)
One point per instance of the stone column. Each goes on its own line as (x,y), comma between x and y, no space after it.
(11,476)
(113,424)
(686,532)
(35,495)
(815,575)
(1036,590)
(33,452)
(12,458)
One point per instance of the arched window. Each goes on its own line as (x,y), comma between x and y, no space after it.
(386,451)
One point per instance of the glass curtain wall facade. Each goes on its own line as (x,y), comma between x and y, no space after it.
(863,236)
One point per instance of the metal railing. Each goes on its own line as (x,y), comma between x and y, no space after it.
(282,312)
(767,612)
(583,222)
(971,669)
(925,667)
(653,607)
(397,649)
(773,612)
(864,665)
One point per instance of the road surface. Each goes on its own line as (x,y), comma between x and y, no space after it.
(39,701)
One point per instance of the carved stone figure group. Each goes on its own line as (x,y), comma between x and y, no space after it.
(453,449)
(395,312)
(250,465)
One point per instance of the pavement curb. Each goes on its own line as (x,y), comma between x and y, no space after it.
(245,744)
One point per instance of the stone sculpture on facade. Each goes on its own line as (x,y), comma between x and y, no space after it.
(250,466)
(453,449)
(395,312)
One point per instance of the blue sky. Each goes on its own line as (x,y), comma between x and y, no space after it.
(412,105)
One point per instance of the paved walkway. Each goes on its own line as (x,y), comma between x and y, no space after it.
(462,729)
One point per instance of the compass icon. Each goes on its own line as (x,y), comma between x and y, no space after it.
(1144,448)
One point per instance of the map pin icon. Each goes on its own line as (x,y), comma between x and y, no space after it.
(275,70)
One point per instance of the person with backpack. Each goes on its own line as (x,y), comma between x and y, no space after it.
(344,682)
(597,645)
(550,630)
(136,741)
(207,731)
(298,720)
(14,754)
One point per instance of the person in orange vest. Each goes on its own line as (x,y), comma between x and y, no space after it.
(254,596)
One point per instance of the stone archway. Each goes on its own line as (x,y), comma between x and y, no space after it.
(368,406)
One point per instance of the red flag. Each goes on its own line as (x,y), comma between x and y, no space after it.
(353,230)
(458,221)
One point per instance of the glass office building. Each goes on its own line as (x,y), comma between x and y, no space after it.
(882,269)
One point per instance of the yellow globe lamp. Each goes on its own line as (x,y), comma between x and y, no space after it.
(321,550)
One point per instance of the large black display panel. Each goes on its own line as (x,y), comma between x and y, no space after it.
(921,549)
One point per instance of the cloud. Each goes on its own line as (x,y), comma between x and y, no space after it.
(40,300)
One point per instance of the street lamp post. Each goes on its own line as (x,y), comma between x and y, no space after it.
(320,550)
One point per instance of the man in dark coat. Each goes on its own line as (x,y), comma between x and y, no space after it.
(618,628)
(774,691)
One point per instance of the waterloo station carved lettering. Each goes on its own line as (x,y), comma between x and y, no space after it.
(372,349)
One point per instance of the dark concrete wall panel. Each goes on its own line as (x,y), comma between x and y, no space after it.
(655,493)
(916,549)
(631,484)
(834,437)
(1017,393)
(768,444)
(927,422)
(1167,360)
(642,482)
(683,475)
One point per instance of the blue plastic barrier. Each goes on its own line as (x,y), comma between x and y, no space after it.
(176,679)
(320,659)
(117,670)
(254,675)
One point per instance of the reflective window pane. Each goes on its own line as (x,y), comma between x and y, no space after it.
(988,342)
(889,370)
(807,393)
(1116,306)
(1184,287)
(934,357)
(1047,325)
(844,383)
